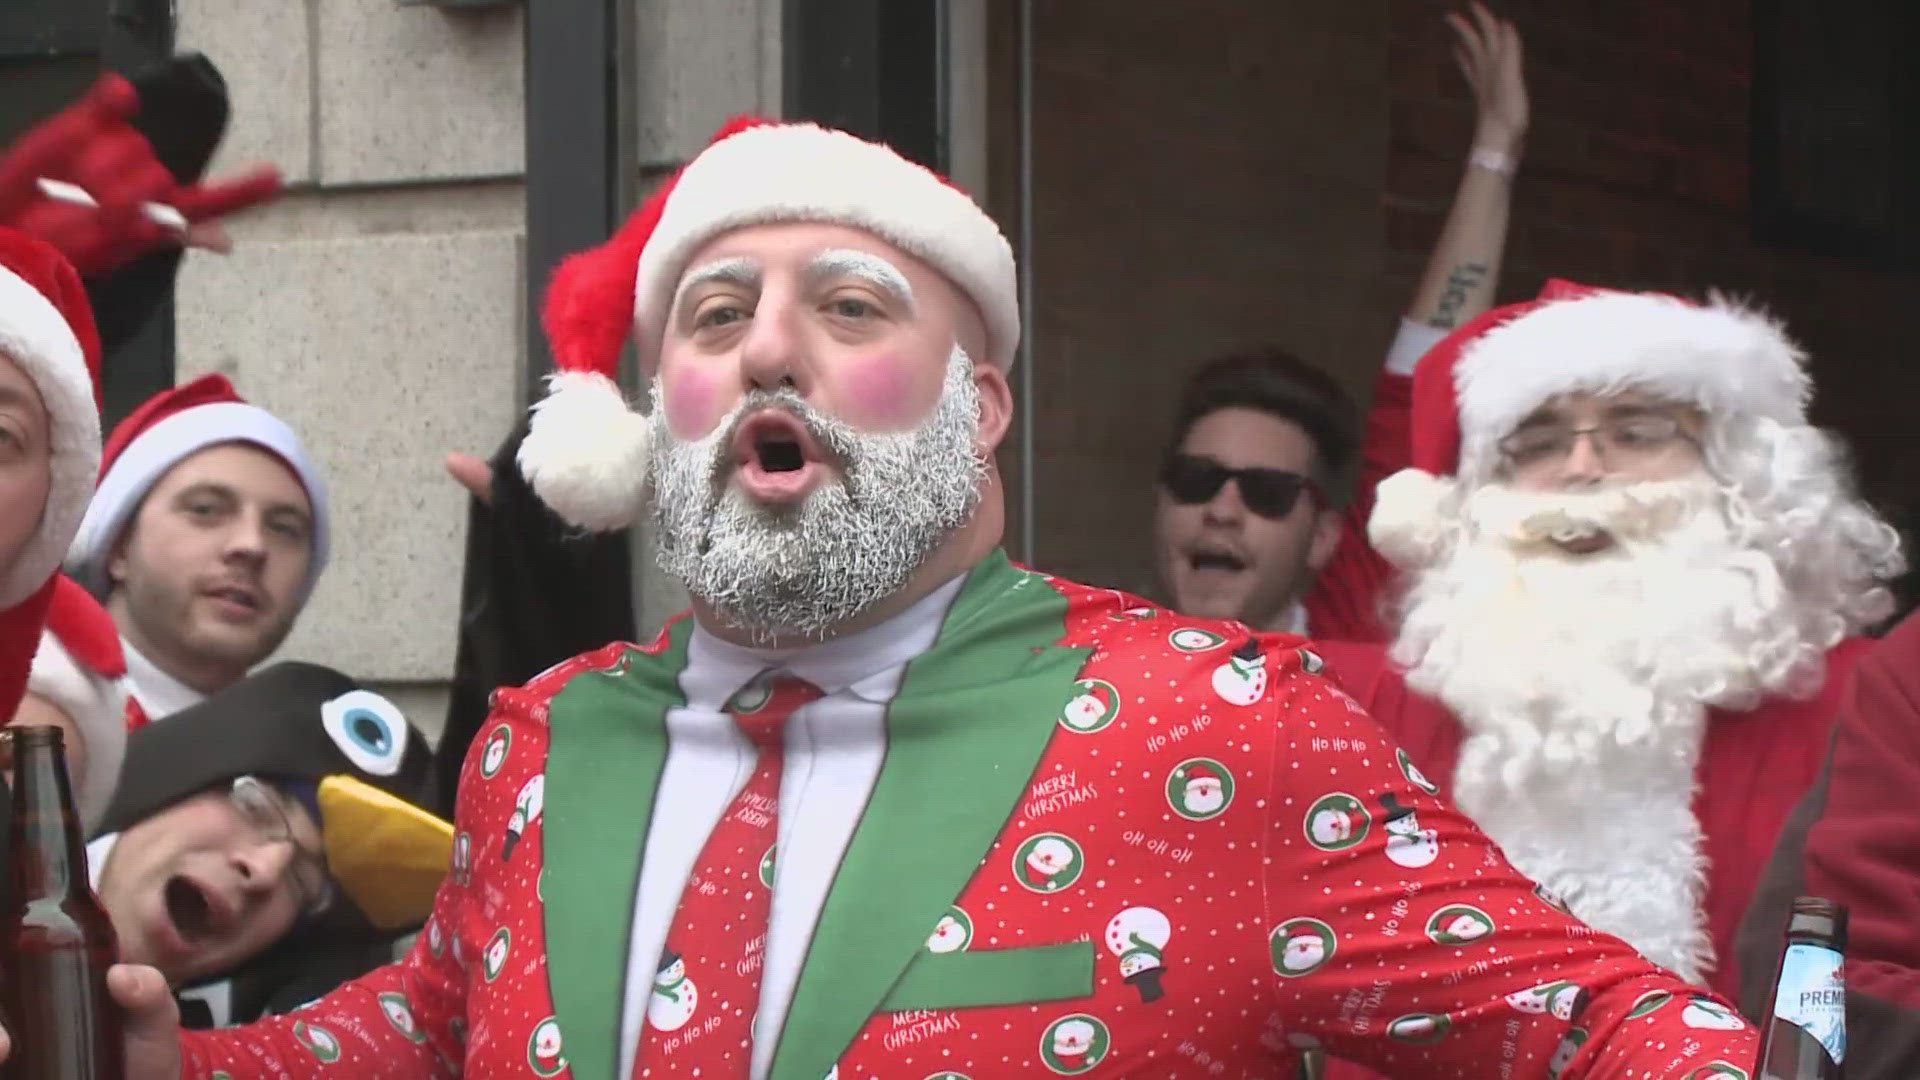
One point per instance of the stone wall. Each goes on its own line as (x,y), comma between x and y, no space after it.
(379,306)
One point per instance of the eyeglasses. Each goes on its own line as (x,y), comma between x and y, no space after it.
(260,807)
(1619,440)
(1270,493)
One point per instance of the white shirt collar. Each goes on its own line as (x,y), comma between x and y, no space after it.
(159,694)
(862,663)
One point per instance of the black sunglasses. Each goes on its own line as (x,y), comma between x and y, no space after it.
(1270,493)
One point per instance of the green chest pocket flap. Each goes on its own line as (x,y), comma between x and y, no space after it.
(971,979)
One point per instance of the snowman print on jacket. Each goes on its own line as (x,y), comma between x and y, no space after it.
(1243,678)
(1711,1015)
(1408,844)
(1138,936)
(1564,1053)
(675,997)
(526,810)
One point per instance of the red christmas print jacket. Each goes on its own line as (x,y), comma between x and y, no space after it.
(1106,841)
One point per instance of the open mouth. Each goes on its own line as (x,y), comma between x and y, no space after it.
(1584,543)
(189,908)
(237,596)
(1216,560)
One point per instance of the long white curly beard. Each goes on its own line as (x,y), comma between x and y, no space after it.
(1584,683)
(854,540)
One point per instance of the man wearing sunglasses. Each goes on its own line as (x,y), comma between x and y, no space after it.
(264,846)
(1637,577)
(1265,487)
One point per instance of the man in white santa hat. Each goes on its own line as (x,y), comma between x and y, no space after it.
(204,540)
(1637,580)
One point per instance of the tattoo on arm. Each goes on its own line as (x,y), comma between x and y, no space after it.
(1462,280)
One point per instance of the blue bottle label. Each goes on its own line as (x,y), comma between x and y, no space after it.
(1813,996)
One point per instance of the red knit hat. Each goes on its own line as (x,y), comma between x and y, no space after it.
(1482,380)
(586,452)
(166,429)
(47,331)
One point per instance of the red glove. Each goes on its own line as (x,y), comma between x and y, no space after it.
(92,144)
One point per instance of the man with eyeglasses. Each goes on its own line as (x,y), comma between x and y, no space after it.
(1637,577)
(265,845)
(1264,490)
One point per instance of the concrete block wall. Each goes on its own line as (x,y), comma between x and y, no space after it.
(378,307)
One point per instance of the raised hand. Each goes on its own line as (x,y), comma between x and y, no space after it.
(152,1019)
(1489,55)
(105,180)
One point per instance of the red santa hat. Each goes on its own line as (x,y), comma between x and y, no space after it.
(79,668)
(1474,387)
(47,331)
(586,452)
(1197,774)
(168,428)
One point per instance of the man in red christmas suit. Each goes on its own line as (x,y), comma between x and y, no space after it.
(1637,577)
(1012,826)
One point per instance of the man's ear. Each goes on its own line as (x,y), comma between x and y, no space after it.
(996,407)
(1326,538)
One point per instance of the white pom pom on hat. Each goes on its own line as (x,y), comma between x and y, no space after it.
(586,450)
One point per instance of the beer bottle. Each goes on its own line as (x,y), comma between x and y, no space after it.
(1807,1036)
(56,941)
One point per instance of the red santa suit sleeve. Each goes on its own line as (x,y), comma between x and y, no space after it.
(1344,604)
(1856,838)
(1402,939)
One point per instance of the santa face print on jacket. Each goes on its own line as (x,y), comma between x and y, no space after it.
(818,429)
(26,454)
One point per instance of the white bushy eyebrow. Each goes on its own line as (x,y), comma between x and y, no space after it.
(862,266)
(735,270)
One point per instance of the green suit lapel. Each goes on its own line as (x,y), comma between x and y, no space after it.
(964,736)
(607,743)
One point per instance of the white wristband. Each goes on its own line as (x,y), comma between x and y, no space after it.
(1498,161)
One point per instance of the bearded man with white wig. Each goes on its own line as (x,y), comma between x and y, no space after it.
(1637,580)
(877,805)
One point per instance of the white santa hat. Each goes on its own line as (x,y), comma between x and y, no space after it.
(47,331)
(586,451)
(80,668)
(165,430)
(1474,387)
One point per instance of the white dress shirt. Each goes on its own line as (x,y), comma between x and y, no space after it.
(834,748)
(160,695)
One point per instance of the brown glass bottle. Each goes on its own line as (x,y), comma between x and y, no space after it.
(1807,1034)
(56,942)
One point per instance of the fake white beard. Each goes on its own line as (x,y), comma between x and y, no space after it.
(856,539)
(1583,683)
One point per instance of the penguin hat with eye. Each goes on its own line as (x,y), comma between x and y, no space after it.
(345,753)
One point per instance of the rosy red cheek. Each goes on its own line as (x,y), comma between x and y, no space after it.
(887,392)
(691,397)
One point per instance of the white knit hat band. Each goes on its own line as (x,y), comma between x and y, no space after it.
(801,172)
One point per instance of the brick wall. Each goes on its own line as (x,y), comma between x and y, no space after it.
(1243,172)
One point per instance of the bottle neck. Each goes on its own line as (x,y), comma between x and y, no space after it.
(49,854)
